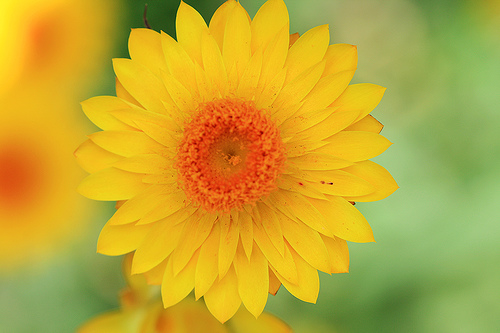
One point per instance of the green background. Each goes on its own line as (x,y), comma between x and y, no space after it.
(435,266)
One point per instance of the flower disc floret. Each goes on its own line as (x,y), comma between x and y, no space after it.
(231,154)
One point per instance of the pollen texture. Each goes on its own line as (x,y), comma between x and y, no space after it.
(230,155)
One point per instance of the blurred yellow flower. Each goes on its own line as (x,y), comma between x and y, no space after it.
(235,153)
(38,207)
(142,312)
(56,40)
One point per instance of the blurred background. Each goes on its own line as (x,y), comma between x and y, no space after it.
(435,266)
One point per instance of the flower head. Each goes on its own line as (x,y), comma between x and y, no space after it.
(235,153)
(230,155)
(38,211)
(52,40)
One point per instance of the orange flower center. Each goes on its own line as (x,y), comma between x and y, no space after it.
(231,154)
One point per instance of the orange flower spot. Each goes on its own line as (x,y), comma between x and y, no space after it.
(230,155)
(20,176)
(44,36)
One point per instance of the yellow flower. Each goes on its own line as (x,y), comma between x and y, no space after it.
(142,312)
(38,210)
(57,40)
(235,153)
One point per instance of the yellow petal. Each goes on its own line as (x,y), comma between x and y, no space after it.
(166,178)
(195,232)
(269,221)
(340,57)
(237,38)
(145,163)
(367,124)
(144,46)
(206,89)
(175,287)
(270,19)
(97,110)
(307,286)
(247,87)
(179,63)
(273,58)
(167,204)
(283,264)
(341,183)
(159,134)
(363,97)
(114,322)
(307,243)
(307,51)
(293,38)
(116,240)
(182,98)
(344,220)
(315,161)
(246,232)
(222,299)
(376,175)
(229,237)
(154,276)
(333,124)
(157,245)
(111,184)
(253,279)
(93,158)
(296,206)
(274,283)
(189,26)
(295,124)
(119,203)
(218,21)
(355,146)
(301,147)
(233,79)
(213,62)
(188,316)
(207,267)
(136,116)
(253,211)
(136,284)
(290,183)
(135,208)
(180,214)
(326,91)
(122,93)
(243,322)
(293,92)
(142,84)
(338,253)
(268,95)
(126,143)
